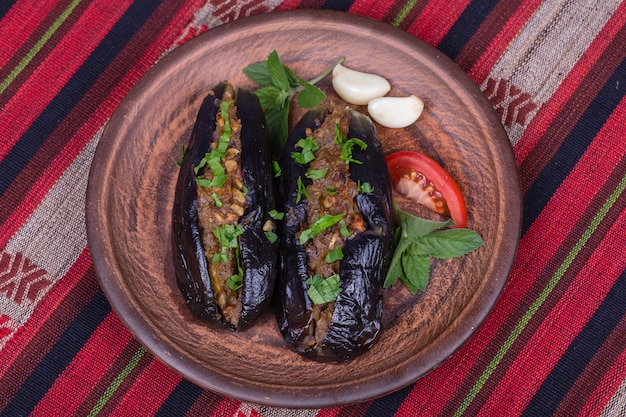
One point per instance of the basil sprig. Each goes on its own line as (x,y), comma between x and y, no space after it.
(417,240)
(279,85)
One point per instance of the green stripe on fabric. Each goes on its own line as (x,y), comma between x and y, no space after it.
(541,299)
(117,382)
(403,13)
(40,44)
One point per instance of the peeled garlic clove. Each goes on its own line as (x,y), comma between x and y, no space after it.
(395,112)
(358,87)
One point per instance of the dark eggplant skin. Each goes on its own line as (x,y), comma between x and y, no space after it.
(356,319)
(259,257)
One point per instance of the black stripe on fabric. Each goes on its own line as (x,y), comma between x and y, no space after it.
(342,5)
(78,85)
(389,404)
(5,6)
(466,25)
(59,357)
(180,399)
(579,353)
(573,147)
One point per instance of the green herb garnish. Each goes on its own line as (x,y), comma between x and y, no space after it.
(279,85)
(417,240)
(213,159)
(347,145)
(235,282)
(323,290)
(334,255)
(276,215)
(218,201)
(316,174)
(319,225)
(365,187)
(271,236)
(276,169)
(227,235)
(308,146)
(343,229)
(301,190)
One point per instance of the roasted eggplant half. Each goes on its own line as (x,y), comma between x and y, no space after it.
(336,235)
(224,239)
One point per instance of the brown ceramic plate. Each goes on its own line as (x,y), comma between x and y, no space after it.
(131,188)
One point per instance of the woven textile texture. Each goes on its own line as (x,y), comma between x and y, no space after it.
(555,72)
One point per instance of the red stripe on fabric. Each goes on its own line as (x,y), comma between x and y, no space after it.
(436,20)
(606,389)
(581,394)
(567,319)
(88,366)
(553,107)
(42,313)
(226,407)
(56,70)
(501,41)
(328,412)
(24,18)
(532,257)
(144,397)
(32,193)
(365,8)
(288,5)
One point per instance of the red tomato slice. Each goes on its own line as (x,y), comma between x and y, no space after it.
(423,180)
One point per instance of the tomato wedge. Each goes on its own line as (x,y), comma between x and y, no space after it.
(423,180)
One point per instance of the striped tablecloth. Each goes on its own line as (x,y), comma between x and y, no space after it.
(555,71)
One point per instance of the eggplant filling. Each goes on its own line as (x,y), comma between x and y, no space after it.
(331,196)
(221,205)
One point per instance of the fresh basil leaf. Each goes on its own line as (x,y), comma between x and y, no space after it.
(270,97)
(395,270)
(294,81)
(311,96)
(415,226)
(277,119)
(323,290)
(417,240)
(276,70)
(449,243)
(258,73)
(416,269)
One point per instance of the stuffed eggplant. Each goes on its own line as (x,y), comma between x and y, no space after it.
(223,235)
(336,235)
